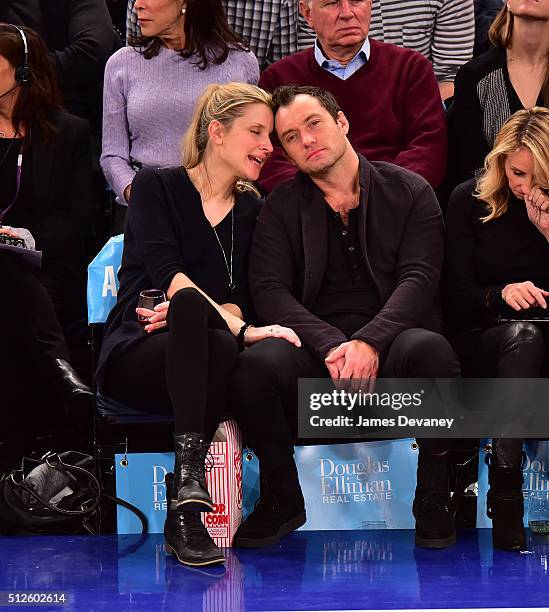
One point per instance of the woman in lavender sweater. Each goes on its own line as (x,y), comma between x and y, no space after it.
(152,86)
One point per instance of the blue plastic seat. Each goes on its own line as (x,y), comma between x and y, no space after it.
(102,291)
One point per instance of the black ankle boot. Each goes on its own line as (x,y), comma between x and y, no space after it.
(190,473)
(78,397)
(505,505)
(185,536)
(277,512)
(435,525)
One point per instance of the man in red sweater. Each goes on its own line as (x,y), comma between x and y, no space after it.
(389,94)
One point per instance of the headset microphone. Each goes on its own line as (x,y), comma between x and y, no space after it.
(22,72)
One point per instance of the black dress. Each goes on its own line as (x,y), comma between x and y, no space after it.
(167,233)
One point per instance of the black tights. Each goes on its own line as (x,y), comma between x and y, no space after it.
(510,350)
(188,366)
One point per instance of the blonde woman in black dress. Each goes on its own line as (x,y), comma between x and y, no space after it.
(188,234)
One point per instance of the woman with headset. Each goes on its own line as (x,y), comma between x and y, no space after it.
(46,200)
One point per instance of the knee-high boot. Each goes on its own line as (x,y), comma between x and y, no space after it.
(505,502)
(78,397)
(435,525)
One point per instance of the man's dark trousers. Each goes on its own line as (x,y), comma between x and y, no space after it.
(265,384)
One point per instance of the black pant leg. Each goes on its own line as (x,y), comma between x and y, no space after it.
(510,350)
(264,397)
(33,309)
(187,367)
(419,353)
(65,282)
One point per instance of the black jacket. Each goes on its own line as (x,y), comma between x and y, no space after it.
(401,240)
(62,186)
(482,258)
(484,99)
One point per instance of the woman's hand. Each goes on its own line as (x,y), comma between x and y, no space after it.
(521,296)
(6,229)
(128,192)
(255,334)
(157,317)
(539,198)
(537,207)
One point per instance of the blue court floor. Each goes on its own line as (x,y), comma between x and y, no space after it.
(323,570)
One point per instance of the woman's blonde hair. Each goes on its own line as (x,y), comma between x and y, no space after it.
(527,129)
(223,103)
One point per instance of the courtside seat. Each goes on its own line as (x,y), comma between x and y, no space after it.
(121,429)
(111,411)
(118,428)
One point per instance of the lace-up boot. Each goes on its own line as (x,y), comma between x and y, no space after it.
(435,525)
(185,535)
(190,478)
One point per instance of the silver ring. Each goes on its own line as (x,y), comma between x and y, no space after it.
(271,329)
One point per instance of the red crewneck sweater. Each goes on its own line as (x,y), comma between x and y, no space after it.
(392,103)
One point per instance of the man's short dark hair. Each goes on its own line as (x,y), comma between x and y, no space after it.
(285,95)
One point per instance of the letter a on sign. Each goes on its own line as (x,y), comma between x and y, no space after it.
(109,282)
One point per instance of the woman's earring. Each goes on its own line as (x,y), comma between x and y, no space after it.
(183,10)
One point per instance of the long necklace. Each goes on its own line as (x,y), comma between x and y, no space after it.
(232,285)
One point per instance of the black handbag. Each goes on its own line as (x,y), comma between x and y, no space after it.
(58,494)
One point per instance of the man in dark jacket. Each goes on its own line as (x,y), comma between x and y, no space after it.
(80,37)
(348,254)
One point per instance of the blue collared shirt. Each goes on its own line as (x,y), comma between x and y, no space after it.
(343,72)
